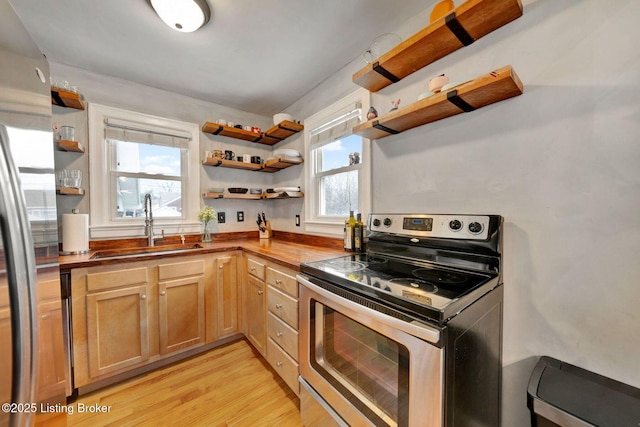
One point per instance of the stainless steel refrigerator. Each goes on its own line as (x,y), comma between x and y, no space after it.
(32,345)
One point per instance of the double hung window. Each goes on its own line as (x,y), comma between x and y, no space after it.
(138,155)
(338,176)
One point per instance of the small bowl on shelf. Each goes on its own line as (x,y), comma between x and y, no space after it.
(237,190)
(255,191)
(216,190)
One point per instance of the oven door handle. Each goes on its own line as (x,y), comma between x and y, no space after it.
(415,328)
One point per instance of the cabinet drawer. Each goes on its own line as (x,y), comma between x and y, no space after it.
(116,279)
(180,269)
(283,364)
(282,281)
(255,268)
(284,335)
(283,306)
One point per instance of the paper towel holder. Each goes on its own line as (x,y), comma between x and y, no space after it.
(75,252)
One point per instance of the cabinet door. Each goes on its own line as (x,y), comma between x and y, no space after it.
(181,312)
(51,376)
(256,310)
(117,329)
(227,295)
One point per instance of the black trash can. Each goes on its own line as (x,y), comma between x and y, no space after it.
(560,394)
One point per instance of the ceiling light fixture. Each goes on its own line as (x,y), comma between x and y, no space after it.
(182,15)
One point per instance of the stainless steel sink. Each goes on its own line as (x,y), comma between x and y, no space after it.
(130,252)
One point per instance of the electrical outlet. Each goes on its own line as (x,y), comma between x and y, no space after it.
(297,220)
(221,218)
(240,216)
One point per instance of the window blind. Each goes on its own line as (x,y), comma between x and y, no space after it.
(121,130)
(336,128)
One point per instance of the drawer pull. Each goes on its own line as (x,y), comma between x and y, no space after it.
(278,282)
(278,334)
(143,296)
(260,292)
(278,364)
(252,269)
(278,306)
(163,293)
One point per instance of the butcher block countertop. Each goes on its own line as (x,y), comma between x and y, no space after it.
(287,249)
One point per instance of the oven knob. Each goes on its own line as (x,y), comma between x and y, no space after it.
(455,225)
(475,228)
(376,222)
(387,222)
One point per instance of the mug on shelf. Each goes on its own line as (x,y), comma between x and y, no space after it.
(218,153)
(246,158)
(255,129)
(255,159)
(229,155)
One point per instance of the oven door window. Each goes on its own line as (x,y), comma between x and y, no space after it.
(368,369)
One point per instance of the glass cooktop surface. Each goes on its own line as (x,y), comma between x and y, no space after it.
(412,283)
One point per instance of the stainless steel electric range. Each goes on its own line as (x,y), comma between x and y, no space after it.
(410,332)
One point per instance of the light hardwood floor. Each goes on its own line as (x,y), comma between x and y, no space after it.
(227,386)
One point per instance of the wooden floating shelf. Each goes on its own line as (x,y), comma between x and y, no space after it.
(64,98)
(280,163)
(272,136)
(490,88)
(468,22)
(73,146)
(247,196)
(284,195)
(69,191)
(216,161)
(227,195)
(269,166)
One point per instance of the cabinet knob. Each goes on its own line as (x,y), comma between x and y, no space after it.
(278,334)
(143,296)
(278,306)
(221,267)
(260,292)
(163,293)
(278,364)
(278,281)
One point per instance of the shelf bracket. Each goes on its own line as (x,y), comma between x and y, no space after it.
(220,129)
(56,97)
(384,73)
(453,98)
(458,30)
(377,125)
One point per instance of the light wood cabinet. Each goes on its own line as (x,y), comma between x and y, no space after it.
(117,326)
(181,306)
(226,268)
(256,314)
(282,323)
(131,315)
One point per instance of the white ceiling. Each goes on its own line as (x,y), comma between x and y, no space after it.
(255,55)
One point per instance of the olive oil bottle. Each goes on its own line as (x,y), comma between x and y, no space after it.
(358,234)
(349,229)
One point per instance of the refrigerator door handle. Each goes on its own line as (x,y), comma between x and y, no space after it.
(21,278)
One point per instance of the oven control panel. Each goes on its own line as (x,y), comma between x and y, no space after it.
(468,227)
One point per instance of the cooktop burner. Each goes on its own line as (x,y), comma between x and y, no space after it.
(346,266)
(430,275)
(415,283)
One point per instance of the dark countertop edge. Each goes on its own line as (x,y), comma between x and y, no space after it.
(84,262)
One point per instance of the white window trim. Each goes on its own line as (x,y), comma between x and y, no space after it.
(101,224)
(326,226)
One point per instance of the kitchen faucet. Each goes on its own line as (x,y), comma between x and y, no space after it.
(148,222)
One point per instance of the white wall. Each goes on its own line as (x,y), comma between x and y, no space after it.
(560,163)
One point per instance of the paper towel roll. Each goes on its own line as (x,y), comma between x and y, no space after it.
(75,233)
